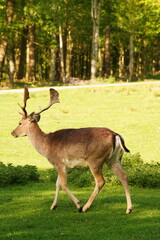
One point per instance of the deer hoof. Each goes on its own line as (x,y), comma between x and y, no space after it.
(80,209)
(129,211)
(53,208)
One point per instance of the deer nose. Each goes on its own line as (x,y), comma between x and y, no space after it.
(14,134)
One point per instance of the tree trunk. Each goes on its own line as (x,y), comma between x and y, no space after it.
(154,59)
(3,48)
(139,67)
(121,60)
(4,42)
(144,58)
(107,53)
(131,58)
(52,75)
(11,63)
(61,55)
(22,56)
(10,10)
(69,55)
(30,58)
(95,13)
(101,61)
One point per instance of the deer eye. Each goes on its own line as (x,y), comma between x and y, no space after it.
(20,123)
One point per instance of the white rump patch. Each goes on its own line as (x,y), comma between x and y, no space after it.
(115,154)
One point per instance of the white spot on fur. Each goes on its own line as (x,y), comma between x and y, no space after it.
(75,163)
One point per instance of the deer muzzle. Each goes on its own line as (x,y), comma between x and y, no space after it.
(13,133)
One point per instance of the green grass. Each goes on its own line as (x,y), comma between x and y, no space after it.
(132,111)
(25,214)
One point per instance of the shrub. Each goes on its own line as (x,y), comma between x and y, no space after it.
(146,175)
(130,160)
(139,173)
(80,177)
(52,174)
(10,174)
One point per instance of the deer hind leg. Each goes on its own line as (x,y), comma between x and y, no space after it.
(54,204)
(99,180)
(118,170)
(63,183)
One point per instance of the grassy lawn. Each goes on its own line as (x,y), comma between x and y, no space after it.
(25,214)
(132,111)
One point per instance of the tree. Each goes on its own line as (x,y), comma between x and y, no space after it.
(61,55)
(95,13)
(107,53)
(30,56)
(51,40)
(52,76)
(4,42)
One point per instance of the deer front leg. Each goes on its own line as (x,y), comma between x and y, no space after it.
(118,170)
(54,204)
(63,183)
(99,180)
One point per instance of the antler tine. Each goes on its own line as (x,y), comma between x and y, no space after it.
(53,99)
(26,97)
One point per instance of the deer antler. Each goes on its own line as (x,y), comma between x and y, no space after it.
(26,97)
(53,99)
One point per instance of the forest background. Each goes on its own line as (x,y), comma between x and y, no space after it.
(50,42)
(65,41)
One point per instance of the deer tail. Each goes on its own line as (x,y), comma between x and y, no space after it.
(119,140)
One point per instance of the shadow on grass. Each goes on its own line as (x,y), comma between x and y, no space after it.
(27,216)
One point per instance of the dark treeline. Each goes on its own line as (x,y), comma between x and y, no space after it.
(58,40)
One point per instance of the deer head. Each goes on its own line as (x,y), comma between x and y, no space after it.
(34,117)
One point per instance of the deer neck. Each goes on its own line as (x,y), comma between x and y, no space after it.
(38,139)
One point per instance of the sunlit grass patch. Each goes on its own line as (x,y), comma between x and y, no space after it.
(134,116)
(27,216)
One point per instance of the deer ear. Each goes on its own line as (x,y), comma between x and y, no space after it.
(37,118)
(34,117)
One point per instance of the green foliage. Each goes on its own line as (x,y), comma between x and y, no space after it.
(141,18)
(79,177)
(140,174)
(146,175)
(134,160)
(10,174)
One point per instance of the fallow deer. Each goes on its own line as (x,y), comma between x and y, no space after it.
(68,148)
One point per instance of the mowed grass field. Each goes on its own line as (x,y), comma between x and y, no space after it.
(25,214)
(132,111)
